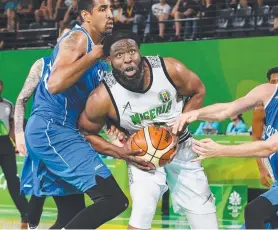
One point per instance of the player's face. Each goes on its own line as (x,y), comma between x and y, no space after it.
(101,17)
(127,65)
(274,78)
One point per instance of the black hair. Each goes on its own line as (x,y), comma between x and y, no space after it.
(87,5)
(1,82)
(271,71)
(117,36)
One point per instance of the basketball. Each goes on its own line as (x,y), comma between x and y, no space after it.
(156,145)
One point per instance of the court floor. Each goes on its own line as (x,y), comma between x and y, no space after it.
(9,219)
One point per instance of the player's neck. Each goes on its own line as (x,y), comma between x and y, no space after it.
(147,76)
(96,37)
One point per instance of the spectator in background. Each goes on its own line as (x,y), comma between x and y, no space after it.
(10,11)
(71,13)
(243,4)
(118,14)
(7,156)
(48,10)
(25,7)
(133,15)
(237,125)
(207,25)
(274,29)
(234,4)
(42,13)
(25,12)
(184,9)
(161,11)
(207,127)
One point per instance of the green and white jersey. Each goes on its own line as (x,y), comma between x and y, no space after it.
(159,103)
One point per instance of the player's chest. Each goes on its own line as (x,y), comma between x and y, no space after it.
(150,106)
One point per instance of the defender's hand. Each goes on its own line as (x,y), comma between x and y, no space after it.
(206,148)
(183,120)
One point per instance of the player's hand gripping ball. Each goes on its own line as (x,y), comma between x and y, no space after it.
(156,144)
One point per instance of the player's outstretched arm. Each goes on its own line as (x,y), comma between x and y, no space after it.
(221,111)
(207,148)
(27,91)
(72,62)
(92,119)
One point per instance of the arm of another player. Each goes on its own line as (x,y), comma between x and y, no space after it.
(28,89)
(72,62)
(92,119)
(257,132)
(207,148)
(187,84)
(221,111)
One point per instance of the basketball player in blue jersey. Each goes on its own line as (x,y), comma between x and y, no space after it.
(264,208)
(35,206)
(64,163)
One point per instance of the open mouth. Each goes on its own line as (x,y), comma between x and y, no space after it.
(110,24)
(130,71)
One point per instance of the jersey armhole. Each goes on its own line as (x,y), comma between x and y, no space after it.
(166,72)
(113,101)
(268,102)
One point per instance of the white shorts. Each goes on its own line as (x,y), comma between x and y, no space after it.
(186,180)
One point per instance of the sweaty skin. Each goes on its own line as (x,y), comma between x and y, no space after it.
(99,105)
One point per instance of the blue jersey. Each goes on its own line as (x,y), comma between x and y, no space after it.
(65,107)
(271,127)
(60,161)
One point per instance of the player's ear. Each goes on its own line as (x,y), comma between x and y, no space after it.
(85,16)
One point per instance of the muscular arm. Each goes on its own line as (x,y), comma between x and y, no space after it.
(207,148)
(71,62)
(30,85)
(187,84)
(221,111)
(253,149)
(92,120)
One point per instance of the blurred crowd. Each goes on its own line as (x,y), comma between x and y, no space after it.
(236,126)
(160,20)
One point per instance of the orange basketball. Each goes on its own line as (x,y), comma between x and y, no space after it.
(155,143)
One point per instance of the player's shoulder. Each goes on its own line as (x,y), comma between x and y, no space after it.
(75,38)
(155,61)
(39,62)
(109,80)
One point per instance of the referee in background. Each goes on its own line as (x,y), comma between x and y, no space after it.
(7,156)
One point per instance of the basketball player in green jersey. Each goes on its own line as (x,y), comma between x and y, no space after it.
(139,92)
